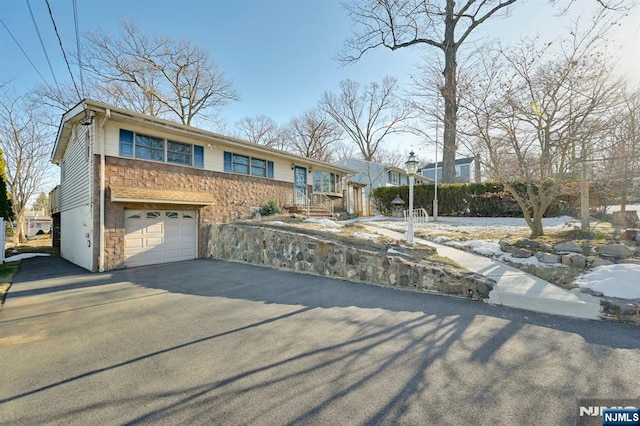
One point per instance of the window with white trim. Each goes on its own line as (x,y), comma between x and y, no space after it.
(135,145)
(326,182)
(236,163)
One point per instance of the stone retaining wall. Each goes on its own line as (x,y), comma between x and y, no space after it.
(273,247)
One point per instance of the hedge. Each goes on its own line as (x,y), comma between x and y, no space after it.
(488,199)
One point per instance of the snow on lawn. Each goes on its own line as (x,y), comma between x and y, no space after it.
(24,256)
(628,207)
(365,236)
(485,247)
(491,248)
(488,225)
(621,280)
(325,222)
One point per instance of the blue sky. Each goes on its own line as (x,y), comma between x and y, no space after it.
(278,53)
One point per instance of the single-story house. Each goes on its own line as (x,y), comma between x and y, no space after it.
(138,190)
(467,170)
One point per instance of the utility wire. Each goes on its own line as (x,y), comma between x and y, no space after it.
(63,52)
(75,20)
(23,52)
(46,55)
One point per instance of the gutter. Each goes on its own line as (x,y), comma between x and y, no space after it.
(107,116)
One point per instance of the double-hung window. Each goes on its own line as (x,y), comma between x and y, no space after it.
(149,148)
(179,153)
(235,163)
(135,145)
(394,178)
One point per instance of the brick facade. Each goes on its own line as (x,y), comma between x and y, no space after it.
(235,195)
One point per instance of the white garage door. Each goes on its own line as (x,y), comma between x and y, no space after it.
(159,236)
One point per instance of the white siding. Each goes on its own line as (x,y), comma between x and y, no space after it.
(75,185)
(213,157)
(76,235)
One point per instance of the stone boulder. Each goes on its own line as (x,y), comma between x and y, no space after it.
(574,260)
(548,257)
(595,261)
(616,251)
(521,253)
(527,243)
(568,246)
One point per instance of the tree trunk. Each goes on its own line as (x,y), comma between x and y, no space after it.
(584,200)
(536,225)
(20,235)
(449,93)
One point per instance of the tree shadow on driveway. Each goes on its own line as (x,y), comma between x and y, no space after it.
(244,344)
(215,278)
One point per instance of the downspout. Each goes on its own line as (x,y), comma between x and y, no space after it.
(107,115)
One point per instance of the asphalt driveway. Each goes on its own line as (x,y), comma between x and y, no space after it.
(212,342)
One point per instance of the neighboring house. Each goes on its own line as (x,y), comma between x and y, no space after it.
(372,175)
(137,190)
(37,221)
(467,170)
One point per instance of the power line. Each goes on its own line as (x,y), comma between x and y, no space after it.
(43,48)
(55,28)
(23,52)
(75,21)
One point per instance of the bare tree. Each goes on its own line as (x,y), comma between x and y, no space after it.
(156,75)
(24,138)
(259,129)
(313,134)
(393,158)
(367,114)
(344,149)
(620,160)
(536,115)
(442,24)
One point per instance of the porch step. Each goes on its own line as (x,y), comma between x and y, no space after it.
(317,212)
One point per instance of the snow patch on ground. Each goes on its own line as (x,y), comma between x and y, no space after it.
(365,236)
(325,222)
(491,248)
(392,251)
(620,280)
(24,256)
(441,240)
(331,230)
(484,247)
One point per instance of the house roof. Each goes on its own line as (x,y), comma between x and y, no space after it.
(90,111)
(458,162)
(387,168)
(161,196)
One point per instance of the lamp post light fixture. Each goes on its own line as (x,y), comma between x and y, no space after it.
(411,165)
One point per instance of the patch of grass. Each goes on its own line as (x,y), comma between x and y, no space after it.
(7,272)
(12,251)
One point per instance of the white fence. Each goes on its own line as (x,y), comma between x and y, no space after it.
(2,234)
(419,216)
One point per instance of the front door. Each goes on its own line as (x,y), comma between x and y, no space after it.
(300,184)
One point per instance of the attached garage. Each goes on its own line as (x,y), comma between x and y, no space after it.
(159,236)
(164,228)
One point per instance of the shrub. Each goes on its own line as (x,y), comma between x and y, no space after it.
(270,208)
(9,232)
(488,199)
